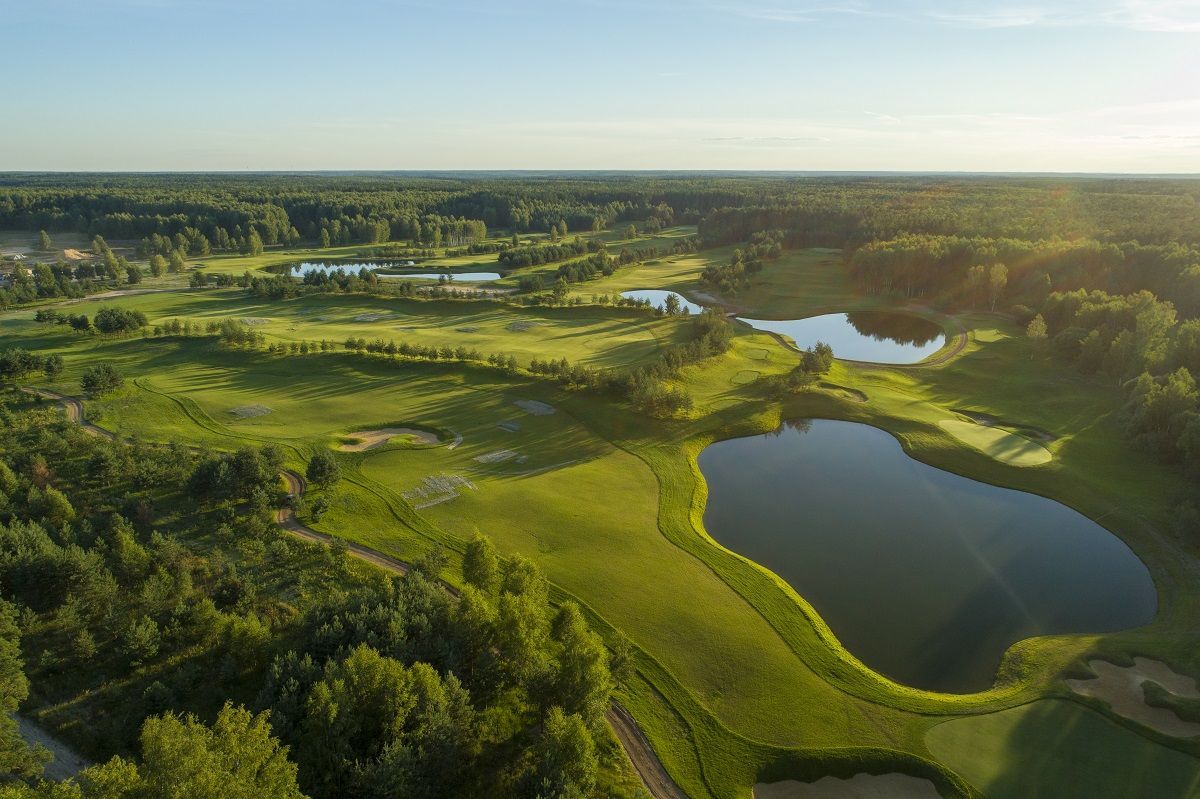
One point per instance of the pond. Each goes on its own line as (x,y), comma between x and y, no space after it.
(658,298)
(875,336)
(354,268)
(925,576)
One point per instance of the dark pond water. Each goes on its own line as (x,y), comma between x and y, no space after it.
(876,336)
(658,298)
(925,576)
(355,268)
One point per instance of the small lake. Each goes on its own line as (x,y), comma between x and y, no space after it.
(355,268)
(925,576)
(658,298)
(875,336)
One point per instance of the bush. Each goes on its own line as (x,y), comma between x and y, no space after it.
(101,379)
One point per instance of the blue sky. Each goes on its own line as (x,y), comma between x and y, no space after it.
(1076,85)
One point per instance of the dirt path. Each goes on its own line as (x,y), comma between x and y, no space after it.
(656,779)
(637,747)
(66,763)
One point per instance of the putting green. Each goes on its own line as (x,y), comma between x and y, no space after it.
(1058,748)
(999,444)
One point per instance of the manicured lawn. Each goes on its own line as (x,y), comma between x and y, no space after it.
(1058,749)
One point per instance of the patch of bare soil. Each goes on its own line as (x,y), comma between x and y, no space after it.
(1121,688)
(369,439)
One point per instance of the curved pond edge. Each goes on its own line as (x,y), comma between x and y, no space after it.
(841,667)
(957,336)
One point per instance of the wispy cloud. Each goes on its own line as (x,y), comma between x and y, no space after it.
(1162,16)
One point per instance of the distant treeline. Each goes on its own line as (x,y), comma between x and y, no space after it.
(457,211)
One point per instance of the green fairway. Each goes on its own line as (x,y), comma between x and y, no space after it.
(1058,749)
(999,444)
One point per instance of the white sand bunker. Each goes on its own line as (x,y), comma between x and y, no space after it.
(254,321)
(249,411)
(499,456)
(534,407)
(369,439)
(511,425)
(860,786)
(1121,687)
(521,327)
(371,317)
(436,489)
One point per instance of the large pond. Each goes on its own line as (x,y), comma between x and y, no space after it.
(875,336)
(925,576)
(658,299)
(354,268)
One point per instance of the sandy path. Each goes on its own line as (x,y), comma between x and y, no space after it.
(370,439)
(641,754)
(633,741)
(1121,688)
(860,786)
(66,763)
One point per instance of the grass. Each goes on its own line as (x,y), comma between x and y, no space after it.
(1000,444)
(1074,753)
(736,675)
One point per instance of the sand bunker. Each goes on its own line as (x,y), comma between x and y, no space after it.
(511,426)
(860,786)
(77,255)
(534,407)
(250,411)
(254,321)
(1000,444)
(436,489)
(370,439)
(520,327)
(499,456)
(1121,688)
(371,317)
(847,393)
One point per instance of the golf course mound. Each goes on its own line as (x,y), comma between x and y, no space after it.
(852,394)
(1122,687)
(249,411)
(370,439)
(1000,444)
(860,786)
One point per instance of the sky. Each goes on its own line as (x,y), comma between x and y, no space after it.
(863,85)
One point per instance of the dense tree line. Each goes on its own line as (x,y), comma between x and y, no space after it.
(967,271)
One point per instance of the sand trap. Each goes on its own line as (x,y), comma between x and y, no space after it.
(436,489)
(77,255)
(510,426)
(369,439)
(521,327)
(860,786)
(841,391)
(249,411)
(1000,444)
(499,456)
(254,321)
(371,317)
(534,407)
(1121,688)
